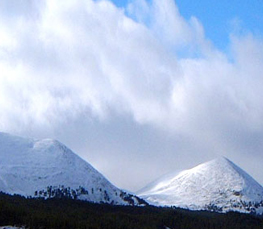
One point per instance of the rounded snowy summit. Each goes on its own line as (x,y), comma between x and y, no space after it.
(218,185)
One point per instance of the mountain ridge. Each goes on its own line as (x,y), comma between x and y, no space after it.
(217,185)
(47,168)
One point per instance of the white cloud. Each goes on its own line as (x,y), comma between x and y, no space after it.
(82,60)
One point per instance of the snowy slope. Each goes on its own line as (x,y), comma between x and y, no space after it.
(47,168)
(217,185)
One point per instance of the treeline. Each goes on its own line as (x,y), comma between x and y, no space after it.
(63,192)
(69,213)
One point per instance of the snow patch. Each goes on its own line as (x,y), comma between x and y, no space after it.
(11,227)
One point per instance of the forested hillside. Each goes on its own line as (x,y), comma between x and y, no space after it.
(68,213)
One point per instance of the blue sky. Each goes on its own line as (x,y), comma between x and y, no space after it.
(221,18)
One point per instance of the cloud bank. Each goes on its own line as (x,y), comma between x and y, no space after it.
(129,88)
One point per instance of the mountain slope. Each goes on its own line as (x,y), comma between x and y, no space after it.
(47,168)
(217,185)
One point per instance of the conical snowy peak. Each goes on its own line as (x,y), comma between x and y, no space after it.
(47,168)
(215,185)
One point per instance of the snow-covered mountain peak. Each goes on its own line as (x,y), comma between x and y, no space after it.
(219,161)
(218,184)
(219,164)
(47,168)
